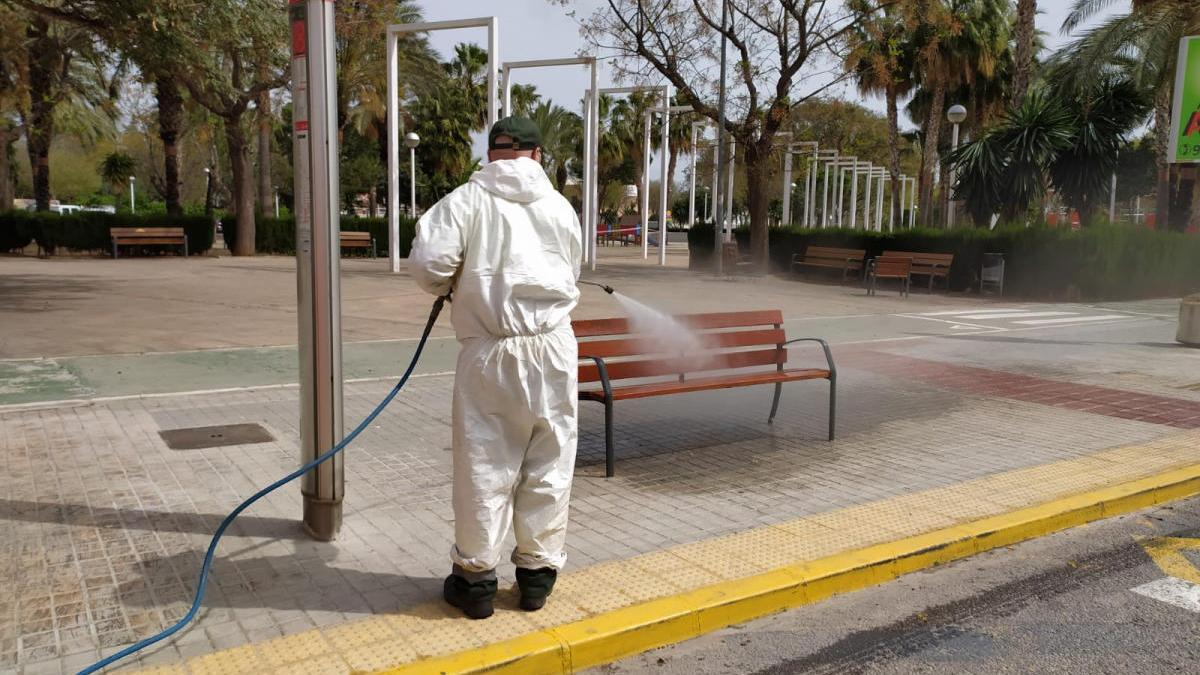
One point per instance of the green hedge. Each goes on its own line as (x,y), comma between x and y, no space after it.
(278,235)
(89,231)
(1103,262)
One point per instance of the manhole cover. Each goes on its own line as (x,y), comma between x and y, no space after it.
(215,437)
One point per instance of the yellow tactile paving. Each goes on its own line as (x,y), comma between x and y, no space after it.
(650,595)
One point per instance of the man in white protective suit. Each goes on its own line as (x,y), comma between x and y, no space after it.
(509,246)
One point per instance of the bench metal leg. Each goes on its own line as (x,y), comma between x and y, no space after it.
(185,246)
(114,250)
(610,460)
(832,405)
(775,402)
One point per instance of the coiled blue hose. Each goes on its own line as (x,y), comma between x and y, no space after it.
(212,545)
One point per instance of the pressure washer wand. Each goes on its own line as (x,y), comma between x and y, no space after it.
(607,289)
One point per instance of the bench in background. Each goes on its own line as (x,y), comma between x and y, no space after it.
(848,260)
(143,236)
(932,265)
(362,240)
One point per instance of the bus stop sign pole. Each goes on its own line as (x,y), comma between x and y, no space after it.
(318,252)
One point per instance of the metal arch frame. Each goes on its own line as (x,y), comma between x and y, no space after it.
(492,24)
(664,91)
(591,140)
(839,166)
(823,160)
(797,148)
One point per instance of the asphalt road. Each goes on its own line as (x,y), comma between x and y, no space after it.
(1062,603)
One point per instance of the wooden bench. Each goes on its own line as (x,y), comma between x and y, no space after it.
(885,267)
(139,236)
(932,265)
(845,259)
(737,349)
(362,240)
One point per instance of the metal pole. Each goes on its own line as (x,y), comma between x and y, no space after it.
(132,201)
(730,172)
(841,186)
(594,215)
(787,185)
(692,189)
(664,178)
(719,229)
(854,196)
(315,153)
(810,190)
(825,198)
(879,203)
(1112,198)
(393,159)
(867,204)
(586,187)
(645,205)
(277,204)
(950,182)
(493,27)
(412,183)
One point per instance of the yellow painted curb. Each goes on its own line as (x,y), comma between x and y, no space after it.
(614,635)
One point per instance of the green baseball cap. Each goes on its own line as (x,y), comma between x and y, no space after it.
(522,130)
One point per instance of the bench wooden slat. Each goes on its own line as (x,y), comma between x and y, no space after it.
(148,240)
(642,345)
(892,268)
(768,317)
(146,231)
(707,384)
(625,370)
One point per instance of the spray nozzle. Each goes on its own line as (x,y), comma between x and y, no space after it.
(607,289)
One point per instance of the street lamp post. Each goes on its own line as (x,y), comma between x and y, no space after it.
(132,201)
(277,202)
(411,140)
(956,114)
(208,205)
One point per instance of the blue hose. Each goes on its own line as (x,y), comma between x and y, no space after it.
(212,545)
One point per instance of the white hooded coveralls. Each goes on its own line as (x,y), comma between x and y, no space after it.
(509,246)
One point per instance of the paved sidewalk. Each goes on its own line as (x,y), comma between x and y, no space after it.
(950,409)
(102,527)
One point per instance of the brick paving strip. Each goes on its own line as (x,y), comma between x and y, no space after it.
(613,609)
(1164,410)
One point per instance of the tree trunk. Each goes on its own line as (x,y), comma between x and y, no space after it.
(1026,30)
(757,164)
(170,124)
(560,176)
(265,188)
(929,153)
(243,185)
(1162,139)
(894,152)
(6,191)
(44,61)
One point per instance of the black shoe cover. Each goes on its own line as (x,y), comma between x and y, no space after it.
(474,599)
(535,586)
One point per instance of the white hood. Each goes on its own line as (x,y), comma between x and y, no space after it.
(518,180)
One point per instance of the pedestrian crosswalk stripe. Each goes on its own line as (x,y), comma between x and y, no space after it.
(1014,315)
(1072,319)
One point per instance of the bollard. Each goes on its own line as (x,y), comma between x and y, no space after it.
(729,258)
(1189,321)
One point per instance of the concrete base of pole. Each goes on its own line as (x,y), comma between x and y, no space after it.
(1189,321)
(322,518)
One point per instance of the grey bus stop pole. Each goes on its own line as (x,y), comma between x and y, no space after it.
(315,152)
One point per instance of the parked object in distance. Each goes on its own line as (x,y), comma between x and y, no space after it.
(100,209)
(1189,321)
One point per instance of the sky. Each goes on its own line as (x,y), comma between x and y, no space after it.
(537,29)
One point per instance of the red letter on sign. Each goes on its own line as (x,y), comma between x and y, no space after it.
(1193,126)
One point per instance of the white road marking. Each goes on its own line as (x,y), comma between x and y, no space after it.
(972,311)
(952,323)
(1072,319)
(1173,591)
(1015,315)
(963,327)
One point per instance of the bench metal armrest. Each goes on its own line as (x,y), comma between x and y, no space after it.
(825,347)
(603,370)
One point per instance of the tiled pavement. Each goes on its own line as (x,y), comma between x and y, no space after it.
(102,527)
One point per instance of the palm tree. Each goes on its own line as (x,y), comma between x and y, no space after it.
(524,99)
(468,69)
(881,61)
(562,133)
(954,43)
(1026,35)
(1142,43)
(360,43)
